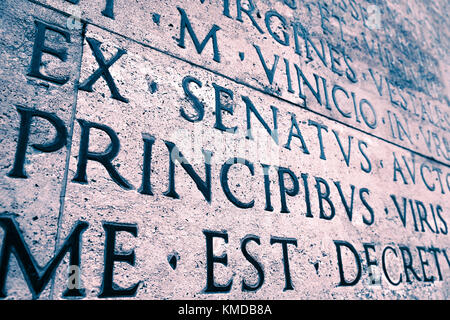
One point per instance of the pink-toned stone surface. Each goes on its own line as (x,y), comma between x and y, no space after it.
(35,201)
(150,76)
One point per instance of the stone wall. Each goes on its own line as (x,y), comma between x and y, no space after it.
(224,149)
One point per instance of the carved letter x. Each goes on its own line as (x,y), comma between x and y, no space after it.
(103,70)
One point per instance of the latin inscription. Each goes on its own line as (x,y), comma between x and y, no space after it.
(334,133)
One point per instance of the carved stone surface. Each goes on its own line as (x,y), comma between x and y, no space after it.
(227,149)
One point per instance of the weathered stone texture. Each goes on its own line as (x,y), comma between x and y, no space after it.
(376,169)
